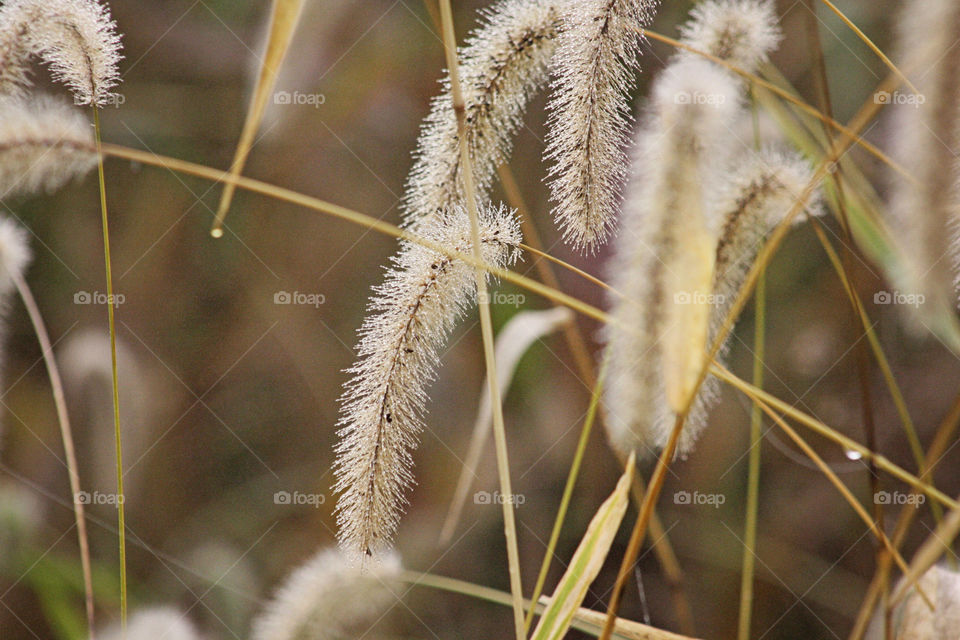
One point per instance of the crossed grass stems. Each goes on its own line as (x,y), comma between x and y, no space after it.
(833,166)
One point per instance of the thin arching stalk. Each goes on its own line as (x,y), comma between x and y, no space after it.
(363,220)
(895,393)
(121,527)
(820,428)
(583,620)
(66,433)
(842,488)
(486,323)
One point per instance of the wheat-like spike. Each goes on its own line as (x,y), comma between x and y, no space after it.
(664,257)
(329,598)
(43,145)
(410,316)
(741,32)
(924,136)
(77,39)
(502,65)
(913,619)
(595,61)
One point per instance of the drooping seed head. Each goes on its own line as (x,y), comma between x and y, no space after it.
(77,39)
(595,62)
(43,145)
(410,316)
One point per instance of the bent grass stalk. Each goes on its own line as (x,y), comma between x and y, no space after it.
(820,428)
(895,393)
(66,433)
(284,17)
(486,324)
(842,488)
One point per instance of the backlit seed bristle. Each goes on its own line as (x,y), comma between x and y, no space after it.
(595,63)
(741,32)
(328,598)
(924,137)
(664,257)
(43,145)
(77,39)
(502,66)
(410,316)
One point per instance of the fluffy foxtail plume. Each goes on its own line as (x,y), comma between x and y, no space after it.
(43,145)
(913,619)
(409,318)
(595,61)
(155,623)
(76,38)
(502,66)
(741,32)
(924,137)
(665,253)
(329,598)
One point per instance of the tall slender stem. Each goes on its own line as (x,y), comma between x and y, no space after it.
(753,474)
(115,380)
(486,324)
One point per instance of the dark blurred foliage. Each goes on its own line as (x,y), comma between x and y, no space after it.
(228,398)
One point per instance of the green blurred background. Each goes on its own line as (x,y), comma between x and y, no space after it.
(228,398)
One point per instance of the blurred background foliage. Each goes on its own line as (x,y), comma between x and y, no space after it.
(228,398)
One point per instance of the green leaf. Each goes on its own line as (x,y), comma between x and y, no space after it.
(587,561)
